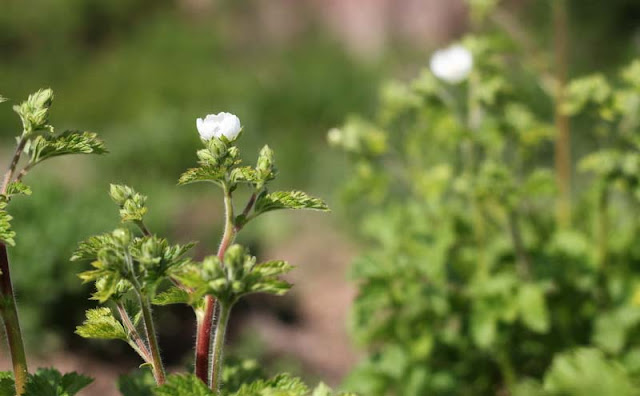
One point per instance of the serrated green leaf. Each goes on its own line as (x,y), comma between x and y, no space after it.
(202,174)
(282,384)
(16,188)
(49,382)
(6,233)
(100,323)
(273,268)
(173,295)
(43,147)
(88,249)
(183,385)
(243,174)
(288,200)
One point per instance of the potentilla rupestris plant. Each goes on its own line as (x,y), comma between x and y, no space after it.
(134,269)
(37,142)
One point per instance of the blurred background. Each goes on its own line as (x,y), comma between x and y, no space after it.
(139,72)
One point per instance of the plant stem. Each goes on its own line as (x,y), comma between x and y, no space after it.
(14,163)
(137,342)
(143,228)
(603,226)
(205,324)
(8,307)
(518,245)
(158,367)
(9,313)
(563,132)
(218,346)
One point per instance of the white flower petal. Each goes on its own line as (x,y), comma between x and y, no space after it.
(452,64)
(218,125)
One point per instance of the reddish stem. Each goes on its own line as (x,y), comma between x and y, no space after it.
(203,335)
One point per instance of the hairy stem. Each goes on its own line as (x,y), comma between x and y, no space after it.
(563,132)
(205,323)
(8,308)
(14,163)
(156,360)
(218,346)
(9,312)
(137,342)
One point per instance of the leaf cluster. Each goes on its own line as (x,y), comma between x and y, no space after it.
(46,382)
(235,276)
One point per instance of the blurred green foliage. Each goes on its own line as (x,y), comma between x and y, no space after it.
(468,285)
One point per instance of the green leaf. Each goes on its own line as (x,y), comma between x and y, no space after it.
(69,142)
(174,295)
(203,174)
(612,328)
(587,371)
(533,308)
(17,188)
(183,385)
(273,268)
(6,233)
(288,200)
(483,328)
(49,382)
(140,383)
(100,323)
(88,249)
(7,386)
(282,384)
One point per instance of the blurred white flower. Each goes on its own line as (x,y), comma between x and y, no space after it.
(334,136)
(218,125)
(452,64)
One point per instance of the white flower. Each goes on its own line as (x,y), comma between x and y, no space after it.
(452,64)
(218,125)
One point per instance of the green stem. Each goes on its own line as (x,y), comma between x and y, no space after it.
(218,346)
(563,132)
(156,360)
(9,312)
(518,244)
(603,226)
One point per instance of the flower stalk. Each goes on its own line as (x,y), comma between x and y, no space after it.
(205,326)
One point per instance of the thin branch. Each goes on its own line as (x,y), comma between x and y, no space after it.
(12,167)
(139,344)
